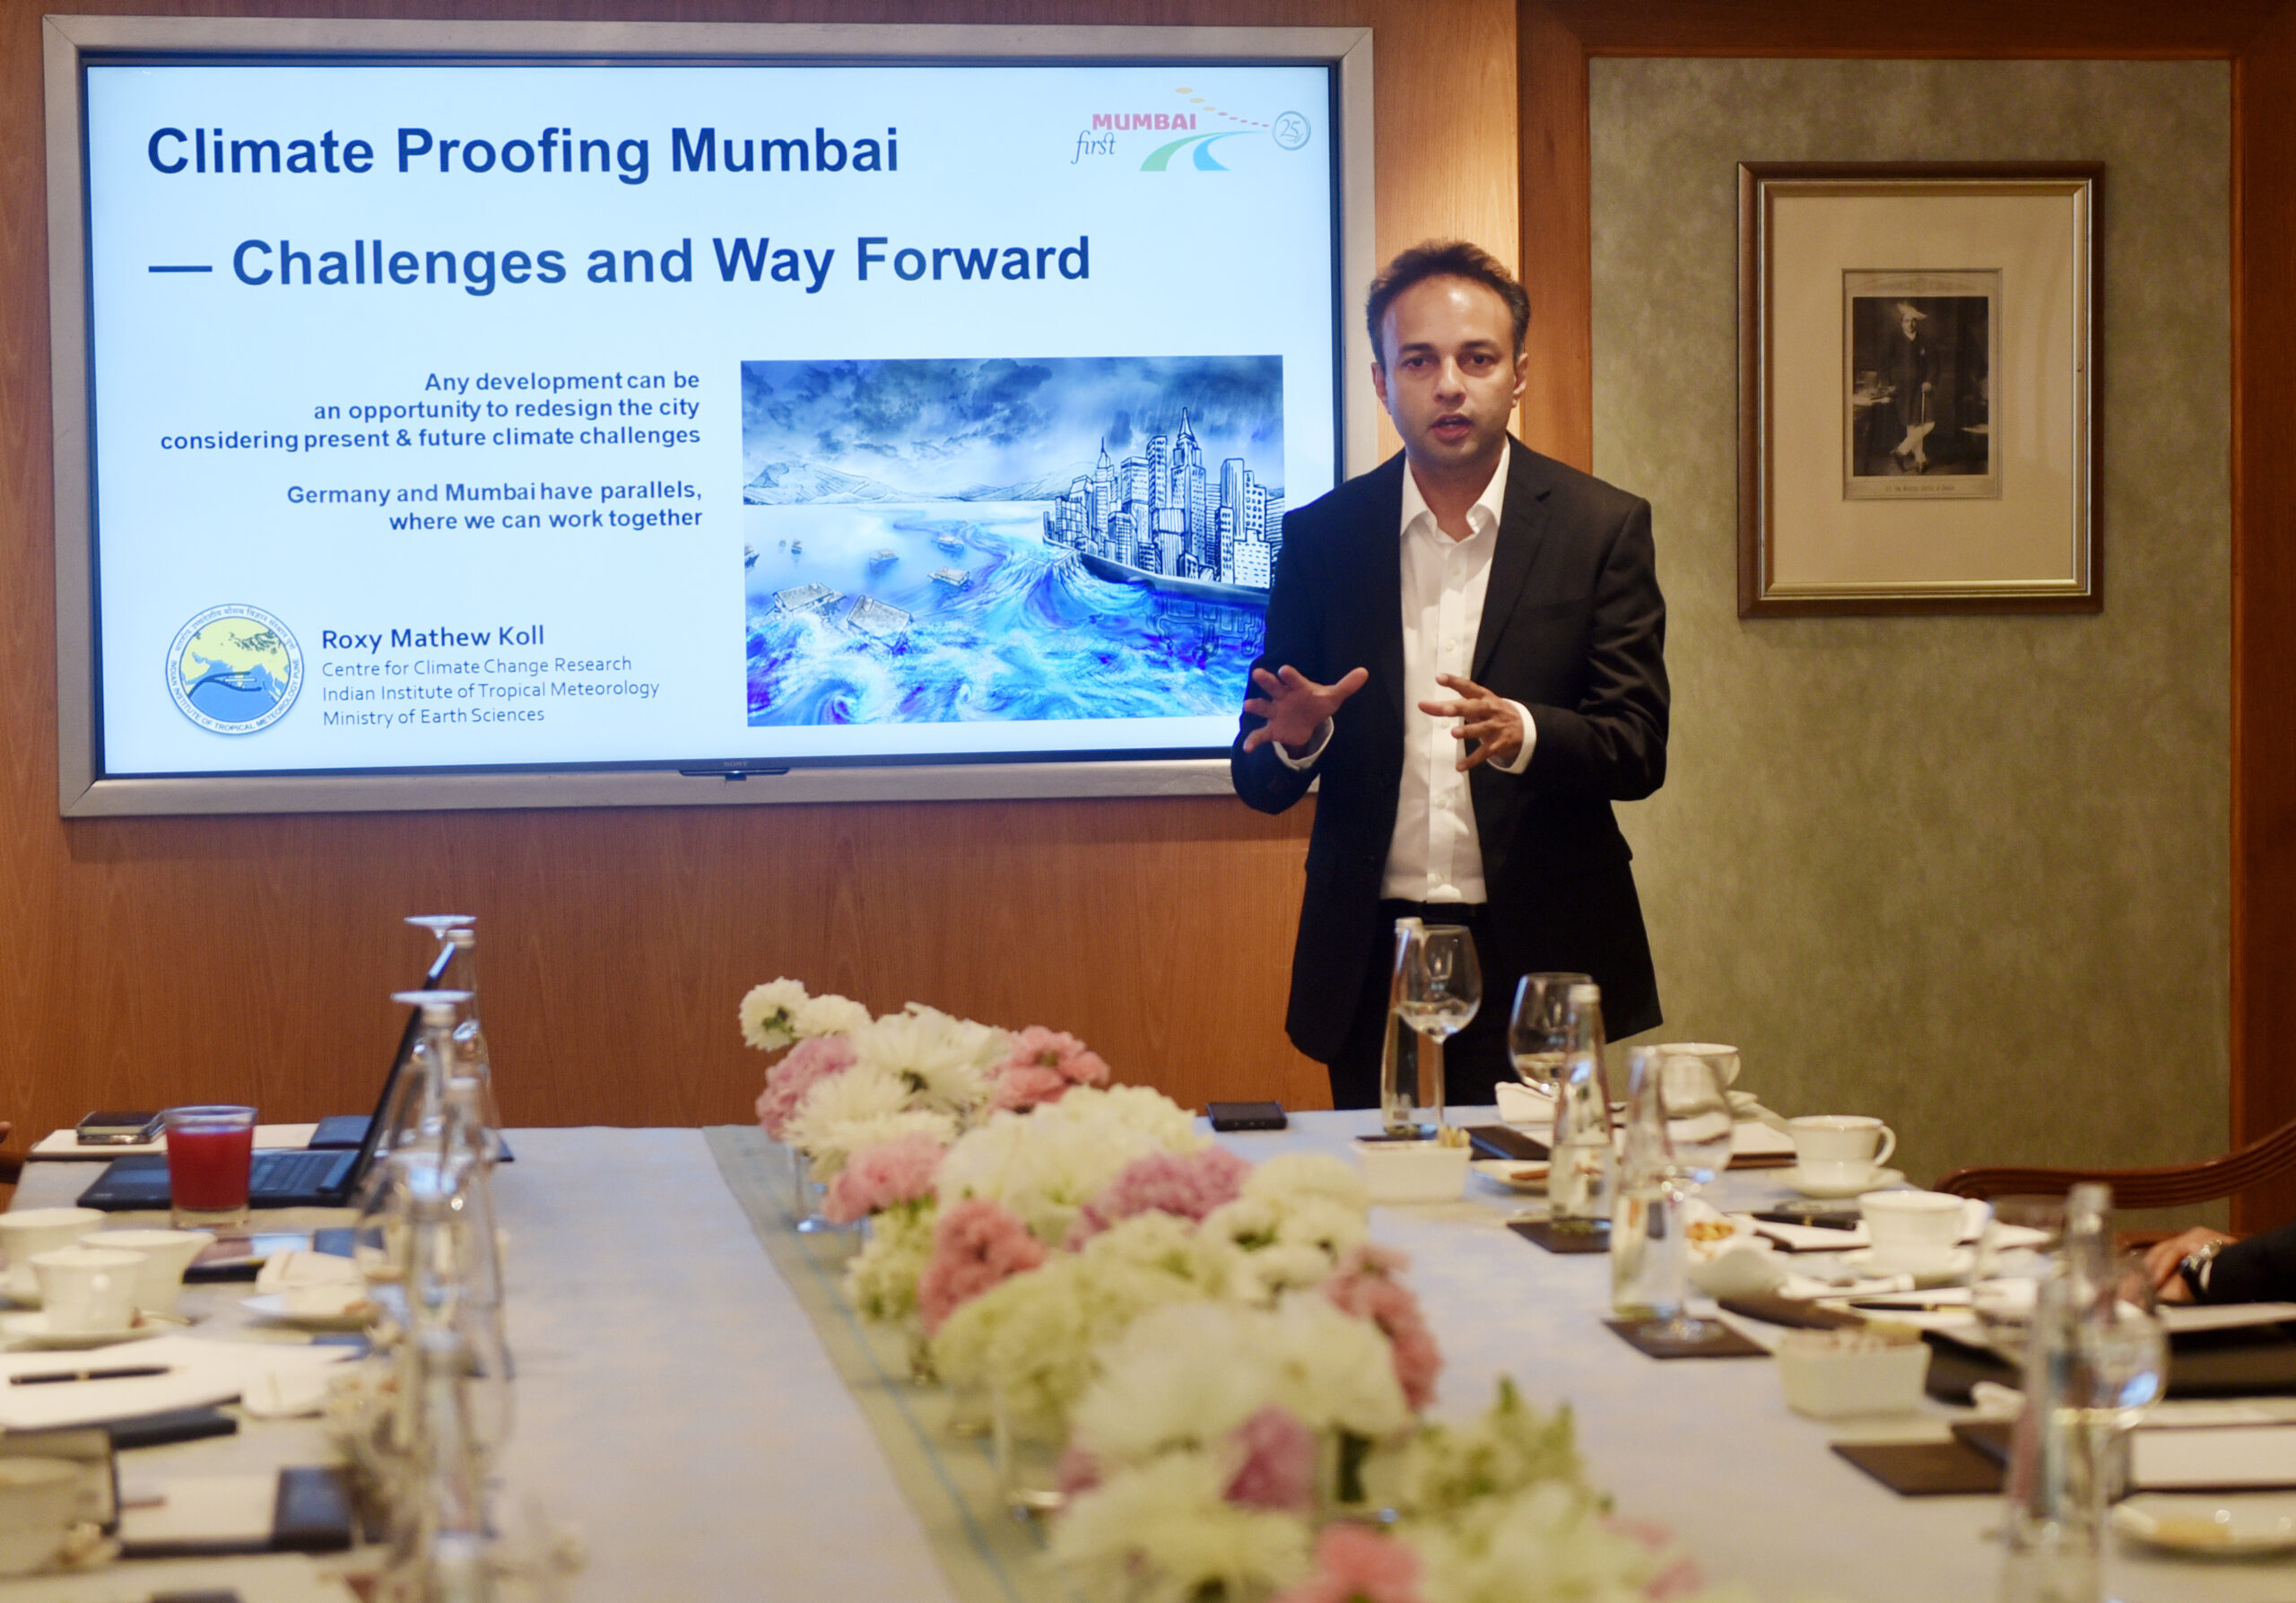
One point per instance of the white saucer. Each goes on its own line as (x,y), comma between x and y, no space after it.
(2232,1527)
(1881,1180)
(1951,1272)
(1516,1174)
(30,1330)
(275,1307)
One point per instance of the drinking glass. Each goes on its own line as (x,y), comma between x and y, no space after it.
(2015,1253)
(1442,987)
(1538,1031)
(210,1151)
(1699,1121)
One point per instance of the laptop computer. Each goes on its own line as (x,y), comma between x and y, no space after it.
(279,1177)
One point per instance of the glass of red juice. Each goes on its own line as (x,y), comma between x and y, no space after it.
(210,1150)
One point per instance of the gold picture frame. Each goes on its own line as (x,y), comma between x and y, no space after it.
(1917,395)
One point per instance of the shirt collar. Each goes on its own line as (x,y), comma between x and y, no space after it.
(1483,517)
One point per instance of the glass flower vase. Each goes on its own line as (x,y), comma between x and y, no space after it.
(1026,1451)
(806,1194)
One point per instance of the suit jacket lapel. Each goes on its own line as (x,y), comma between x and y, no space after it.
(1379,590)
(1521,523)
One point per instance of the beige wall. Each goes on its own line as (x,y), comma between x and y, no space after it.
(1969,874)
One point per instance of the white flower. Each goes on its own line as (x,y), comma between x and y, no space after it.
(766,1013)
(860,1107)
(1045,1165)
(1547,1544)
(1260,1277)
(880,1279)
(1180,1377)
(1292,1178)
(944,1061)
(827,1015)
(1163,1534)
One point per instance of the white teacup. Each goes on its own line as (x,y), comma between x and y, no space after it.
(1913,1231)
(29,1232)
(1724,1059)
(167,1254)
(88,1290)
(1840,1150)
(40,1499)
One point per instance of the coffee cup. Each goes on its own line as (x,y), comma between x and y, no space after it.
(167,1254)
(40,1498)
(88,1290)
(1840,1150)
(1912,1232)
(1725,1059)
(29,1232)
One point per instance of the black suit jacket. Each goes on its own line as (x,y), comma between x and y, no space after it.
(1573,627)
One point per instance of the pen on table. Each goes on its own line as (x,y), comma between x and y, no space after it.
(134,1373)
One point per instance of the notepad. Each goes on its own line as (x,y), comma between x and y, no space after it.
(2214,1458)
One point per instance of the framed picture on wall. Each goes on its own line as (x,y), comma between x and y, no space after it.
(1916,373)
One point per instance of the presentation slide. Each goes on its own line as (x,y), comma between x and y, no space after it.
(471,416)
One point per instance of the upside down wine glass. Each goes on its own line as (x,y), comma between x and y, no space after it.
(1442,987)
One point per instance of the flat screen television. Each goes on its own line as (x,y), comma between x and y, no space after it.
(470,415)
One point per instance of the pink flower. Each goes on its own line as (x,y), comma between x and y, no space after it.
(1188,1186)
(1278,1472)
(1680,1579)
(1365,1285)
(1044,1064)
(808,1064)
(1356,1564)
(976,1245)
(882,1176)
(1080,1472)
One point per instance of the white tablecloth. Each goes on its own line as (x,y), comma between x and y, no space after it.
(675,1403)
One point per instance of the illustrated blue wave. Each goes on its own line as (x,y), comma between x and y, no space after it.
(1029,636)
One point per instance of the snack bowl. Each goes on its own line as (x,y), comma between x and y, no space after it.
(1407,1171)
(1832,1374)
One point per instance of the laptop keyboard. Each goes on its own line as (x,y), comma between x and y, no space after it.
(288,1172)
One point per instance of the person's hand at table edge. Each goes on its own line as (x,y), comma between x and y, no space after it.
(2165,1260)
(1492,722)
(1295,706)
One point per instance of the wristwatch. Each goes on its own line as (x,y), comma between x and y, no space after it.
(2196,1265)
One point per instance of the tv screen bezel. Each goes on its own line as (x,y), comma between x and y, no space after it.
(74,43)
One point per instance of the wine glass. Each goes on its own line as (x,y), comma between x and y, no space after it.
(1442,987)
(1695,1088)
(1538,1031)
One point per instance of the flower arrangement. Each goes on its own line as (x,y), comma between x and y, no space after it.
(1238,1374)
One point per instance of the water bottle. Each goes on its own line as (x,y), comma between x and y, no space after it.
(1399,1054)
(2058,1468)
(1646,1266)
(1579,1165)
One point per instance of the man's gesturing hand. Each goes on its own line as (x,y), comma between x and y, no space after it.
(1488,720)
(1295,706)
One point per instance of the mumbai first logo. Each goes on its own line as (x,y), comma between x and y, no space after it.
(234,669)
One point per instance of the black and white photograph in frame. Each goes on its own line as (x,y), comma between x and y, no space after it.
(1919,418)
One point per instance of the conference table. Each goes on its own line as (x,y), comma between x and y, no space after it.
(679,1403)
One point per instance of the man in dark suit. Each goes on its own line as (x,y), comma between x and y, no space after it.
(1465,646)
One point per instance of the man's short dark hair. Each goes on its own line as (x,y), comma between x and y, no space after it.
(1445,259)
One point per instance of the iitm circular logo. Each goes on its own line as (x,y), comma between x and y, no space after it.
(234,669)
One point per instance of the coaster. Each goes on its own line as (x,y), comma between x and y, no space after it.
(1791,1312)
(1926,1468)
(1720,1342)
(1542,1231)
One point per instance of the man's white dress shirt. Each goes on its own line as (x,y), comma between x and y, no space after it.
(1435,854)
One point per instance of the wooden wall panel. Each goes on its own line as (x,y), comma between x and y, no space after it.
(2264,605)
(156,960)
